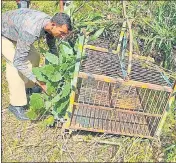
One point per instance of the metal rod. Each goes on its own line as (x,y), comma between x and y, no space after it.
(146,104)
(171,100)
(96,93)
(91,47)
(158,101)
(117,98)
(151,122)
(120,110)
(76,110)
(110,95)
(150,106)
(110,132)
(128,83)
(81,88)
(140,99)
(101,93)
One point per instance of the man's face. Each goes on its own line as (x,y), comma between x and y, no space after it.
(59,31)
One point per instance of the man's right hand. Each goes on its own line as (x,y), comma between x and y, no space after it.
(42,85)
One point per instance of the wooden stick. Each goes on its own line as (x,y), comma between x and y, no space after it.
(61,5)
(131,38)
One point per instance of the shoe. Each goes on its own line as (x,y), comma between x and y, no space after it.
(19,112)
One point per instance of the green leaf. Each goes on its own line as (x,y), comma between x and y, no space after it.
(45,97)
(98,17)
(50,88)
(36,101)
(51,58)
(66,90)
(71,68)
(54,113)
(48,70)
(37,72)
(56,77)
(79,44)
(115,10)
(56,98)
(31,114)
(42,50)
(62,59)
(64,66)
(62,107)
(97,34)
(48,105)
(66,49)
(49,120)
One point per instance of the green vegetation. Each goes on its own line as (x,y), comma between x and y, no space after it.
(57,75)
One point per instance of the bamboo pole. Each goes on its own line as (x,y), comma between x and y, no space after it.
(130,39)
(61,6)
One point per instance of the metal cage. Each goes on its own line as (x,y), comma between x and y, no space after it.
(103,101)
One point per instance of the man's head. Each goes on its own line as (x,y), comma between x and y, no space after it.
(59,26)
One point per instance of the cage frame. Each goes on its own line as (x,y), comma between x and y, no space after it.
(67,125)
(67,128)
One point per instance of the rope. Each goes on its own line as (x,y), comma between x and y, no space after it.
(121,36)
(166,79)
(122,60)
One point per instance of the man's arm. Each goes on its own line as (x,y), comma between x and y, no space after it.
(51,41)
(20,60)
(25,40)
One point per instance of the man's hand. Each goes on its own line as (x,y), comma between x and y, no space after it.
(42,85)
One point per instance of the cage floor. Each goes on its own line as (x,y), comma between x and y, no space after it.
(110,121)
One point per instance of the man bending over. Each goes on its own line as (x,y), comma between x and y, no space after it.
(20,29)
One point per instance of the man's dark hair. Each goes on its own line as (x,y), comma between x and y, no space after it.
(61,19)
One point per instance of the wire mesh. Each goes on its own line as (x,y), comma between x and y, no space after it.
(116,108)
(109,121)
(109,65)
(104,43)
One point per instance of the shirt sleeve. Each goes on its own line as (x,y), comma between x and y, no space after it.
(24,42)
(51,41)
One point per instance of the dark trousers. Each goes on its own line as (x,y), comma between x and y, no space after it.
(23,4)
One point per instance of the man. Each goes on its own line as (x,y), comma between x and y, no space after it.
(23,3)
(20,29)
